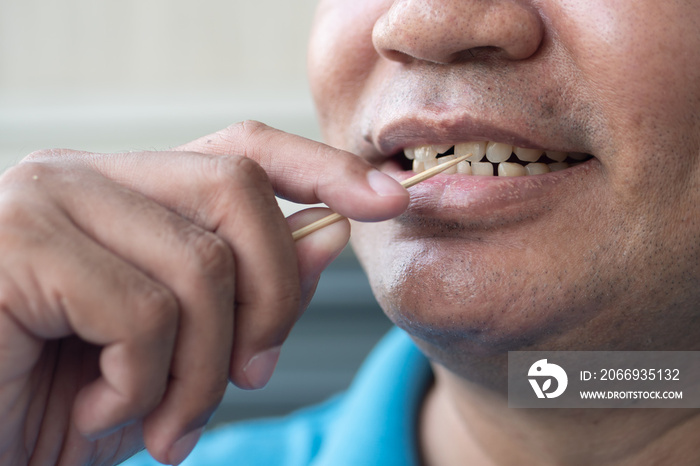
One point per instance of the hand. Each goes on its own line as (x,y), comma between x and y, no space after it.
(134,286)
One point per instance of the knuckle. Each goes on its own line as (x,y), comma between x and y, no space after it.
(156,311)
(247,129)
(25,172)
(27,221)
(241,169)
(13,212)
(237,137)
(237,180)
(212,255)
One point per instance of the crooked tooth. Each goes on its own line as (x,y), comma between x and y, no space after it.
(478,149)
(418,166)
(464,168)
(410,153)
(536,168)
(555,167)
(527,155)
(497,152)
(482,168)
(510,169)
(452,170)
(441,148)
(555,155)
(424,153)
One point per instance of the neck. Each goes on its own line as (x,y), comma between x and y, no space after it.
(462,423)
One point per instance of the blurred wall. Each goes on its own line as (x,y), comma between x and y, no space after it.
(131,74)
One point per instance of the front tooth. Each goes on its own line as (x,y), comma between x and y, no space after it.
(555,167)
(482,168)
(453,169)
(536,168)
(430,163)
(424,153)
(498,152)
(477,149)
(527,155)
(418,166)
(510,169)
(441,148)
(464,168)
(410,153)
(556,155)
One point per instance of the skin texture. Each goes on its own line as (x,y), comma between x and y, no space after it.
(602,257)
(134,286)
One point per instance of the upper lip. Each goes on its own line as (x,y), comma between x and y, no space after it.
(451,128)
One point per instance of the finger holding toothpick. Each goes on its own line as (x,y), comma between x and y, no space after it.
(332,218)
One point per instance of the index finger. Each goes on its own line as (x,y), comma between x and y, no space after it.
(306,171)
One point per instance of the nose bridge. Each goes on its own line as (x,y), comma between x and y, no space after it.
(445,31)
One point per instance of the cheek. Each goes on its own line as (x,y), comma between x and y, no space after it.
(644,77)
(639,60)
(341,57)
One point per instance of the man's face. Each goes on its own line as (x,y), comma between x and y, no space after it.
(602,255)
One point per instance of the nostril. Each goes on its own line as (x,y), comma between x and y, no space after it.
(395,55)
(477,53)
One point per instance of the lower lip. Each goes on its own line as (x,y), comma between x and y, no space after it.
(484,199)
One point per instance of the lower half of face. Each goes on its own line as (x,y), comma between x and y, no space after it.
(602,255)
(569,276)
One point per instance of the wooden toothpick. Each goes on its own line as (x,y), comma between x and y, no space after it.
(332,218)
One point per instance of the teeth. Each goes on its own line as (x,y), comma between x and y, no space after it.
(536,168)
(441,148)
(463,168)
(428,156)
(556,155)
(498,152)
(482,169)
(424,153)
(527,155)
(445,159)
(510,169)
(428,164)
(478,149)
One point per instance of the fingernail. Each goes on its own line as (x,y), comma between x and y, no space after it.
(384,185)
(261,366)
(183,447)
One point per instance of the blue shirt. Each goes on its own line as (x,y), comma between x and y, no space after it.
(373,423)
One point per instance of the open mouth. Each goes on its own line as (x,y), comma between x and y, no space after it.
(490,159)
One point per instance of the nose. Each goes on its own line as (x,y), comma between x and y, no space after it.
(448,31)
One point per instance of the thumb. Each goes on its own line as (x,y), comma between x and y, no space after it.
(317,250)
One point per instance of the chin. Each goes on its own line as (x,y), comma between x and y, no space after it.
(461,296)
